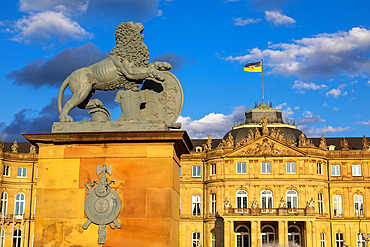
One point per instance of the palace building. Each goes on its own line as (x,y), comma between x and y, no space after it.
(264,182)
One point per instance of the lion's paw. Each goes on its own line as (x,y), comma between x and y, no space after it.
(65,118)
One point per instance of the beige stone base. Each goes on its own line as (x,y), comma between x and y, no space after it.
(146,172)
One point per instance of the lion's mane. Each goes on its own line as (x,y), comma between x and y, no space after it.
(130,44)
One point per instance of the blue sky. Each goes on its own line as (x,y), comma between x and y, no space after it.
(316,59)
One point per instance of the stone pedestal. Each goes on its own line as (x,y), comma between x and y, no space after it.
(146,170)
(282,211)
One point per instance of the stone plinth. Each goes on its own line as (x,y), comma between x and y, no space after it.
(146,171)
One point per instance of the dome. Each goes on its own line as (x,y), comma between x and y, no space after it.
(264,112)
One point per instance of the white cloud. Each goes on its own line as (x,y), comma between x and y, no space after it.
(302,86)
(240,22)
(297,108)
(336,92)
(2,23)
(278,18)
(325,104)
(76,6)
(317,132)
(215,125)
(365,122)
(47,25)
(308,117)
(287,112)
(318,56)
(335,108)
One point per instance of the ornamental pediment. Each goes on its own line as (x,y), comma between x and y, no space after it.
(265,146)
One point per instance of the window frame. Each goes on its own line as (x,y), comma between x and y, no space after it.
(266,166)
(2,237)
(17,238)
(292,167)
(19,204)
(360,242)
(355,171)
(195,236)
(196,171)
(337,205)
(322,239)
(241,168)
(291,197)
(339,241)
(213,203)
(319,168)
(320,202)
(196,206)
(243,201)
(6,171)
(335,170)
(359,203)
(4,203)
(268,202)
(213,169)
(22,172)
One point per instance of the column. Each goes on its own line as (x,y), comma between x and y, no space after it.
(313,228)
(282,233)
(227,233)
(309,234)
(254,233)
(259,240)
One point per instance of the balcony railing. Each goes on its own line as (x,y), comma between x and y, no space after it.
(16,216)
(271,211)
(243,121)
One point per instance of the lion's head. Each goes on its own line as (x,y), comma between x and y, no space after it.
(130,44)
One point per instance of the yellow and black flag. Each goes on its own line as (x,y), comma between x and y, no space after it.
(253,67)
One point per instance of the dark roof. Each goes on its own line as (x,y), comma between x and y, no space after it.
(200,142)
(23,147)
(354,143)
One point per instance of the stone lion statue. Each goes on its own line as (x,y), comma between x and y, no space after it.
(126,67)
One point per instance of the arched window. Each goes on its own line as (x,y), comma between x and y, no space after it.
(359,206)
(294,235)
(322,239)
(242,199)
(196,205)
(196,239)
(213,203)
(292,199)
(361,240)
(266,199)
(19,204)
(337,206)
(242,237)
(2,238)
(4,203)
(267,235)
(17,238)
(339,239)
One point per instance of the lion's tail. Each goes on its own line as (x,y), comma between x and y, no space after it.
(61,92)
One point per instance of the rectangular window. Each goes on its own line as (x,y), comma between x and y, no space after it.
(196,205)
(335,170)
(290,167)
(321,204)
(213,169)
(339,240)
(356,170)
(22,172)
(241,168)
(266,167)
(359,206)
(196,171)
(213,203)
(322,237)
(337,205)
(319,168)
(6,171)
(361,242)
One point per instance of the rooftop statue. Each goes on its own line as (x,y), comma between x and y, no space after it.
(126,67)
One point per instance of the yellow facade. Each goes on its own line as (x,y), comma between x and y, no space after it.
(18,198)
(341,207)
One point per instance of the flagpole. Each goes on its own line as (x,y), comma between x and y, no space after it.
(263,98)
